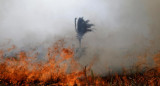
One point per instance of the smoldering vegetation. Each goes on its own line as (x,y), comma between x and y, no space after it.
(124,29)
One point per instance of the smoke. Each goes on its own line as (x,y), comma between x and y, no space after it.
(123,27)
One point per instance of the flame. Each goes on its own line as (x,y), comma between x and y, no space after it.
(23,69)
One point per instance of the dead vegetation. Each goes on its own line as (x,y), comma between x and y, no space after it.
(24,70)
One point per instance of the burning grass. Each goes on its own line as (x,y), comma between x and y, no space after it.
(61,68)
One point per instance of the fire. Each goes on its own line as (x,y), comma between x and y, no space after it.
(22,70)
(61,68)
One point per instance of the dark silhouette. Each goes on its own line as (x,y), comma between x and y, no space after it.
(82,26)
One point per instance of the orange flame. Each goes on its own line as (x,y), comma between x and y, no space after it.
(61,68)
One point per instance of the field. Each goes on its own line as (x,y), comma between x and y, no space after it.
(24,69)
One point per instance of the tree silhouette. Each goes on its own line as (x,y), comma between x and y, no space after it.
(82,27)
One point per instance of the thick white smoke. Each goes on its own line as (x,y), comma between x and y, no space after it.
(122,27)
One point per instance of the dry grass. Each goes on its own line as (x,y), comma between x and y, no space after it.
(22,70)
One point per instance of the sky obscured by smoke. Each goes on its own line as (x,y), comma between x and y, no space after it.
(122,27)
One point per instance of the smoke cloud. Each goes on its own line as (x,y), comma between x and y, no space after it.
(123,28)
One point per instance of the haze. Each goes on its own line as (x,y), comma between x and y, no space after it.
(122,27)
